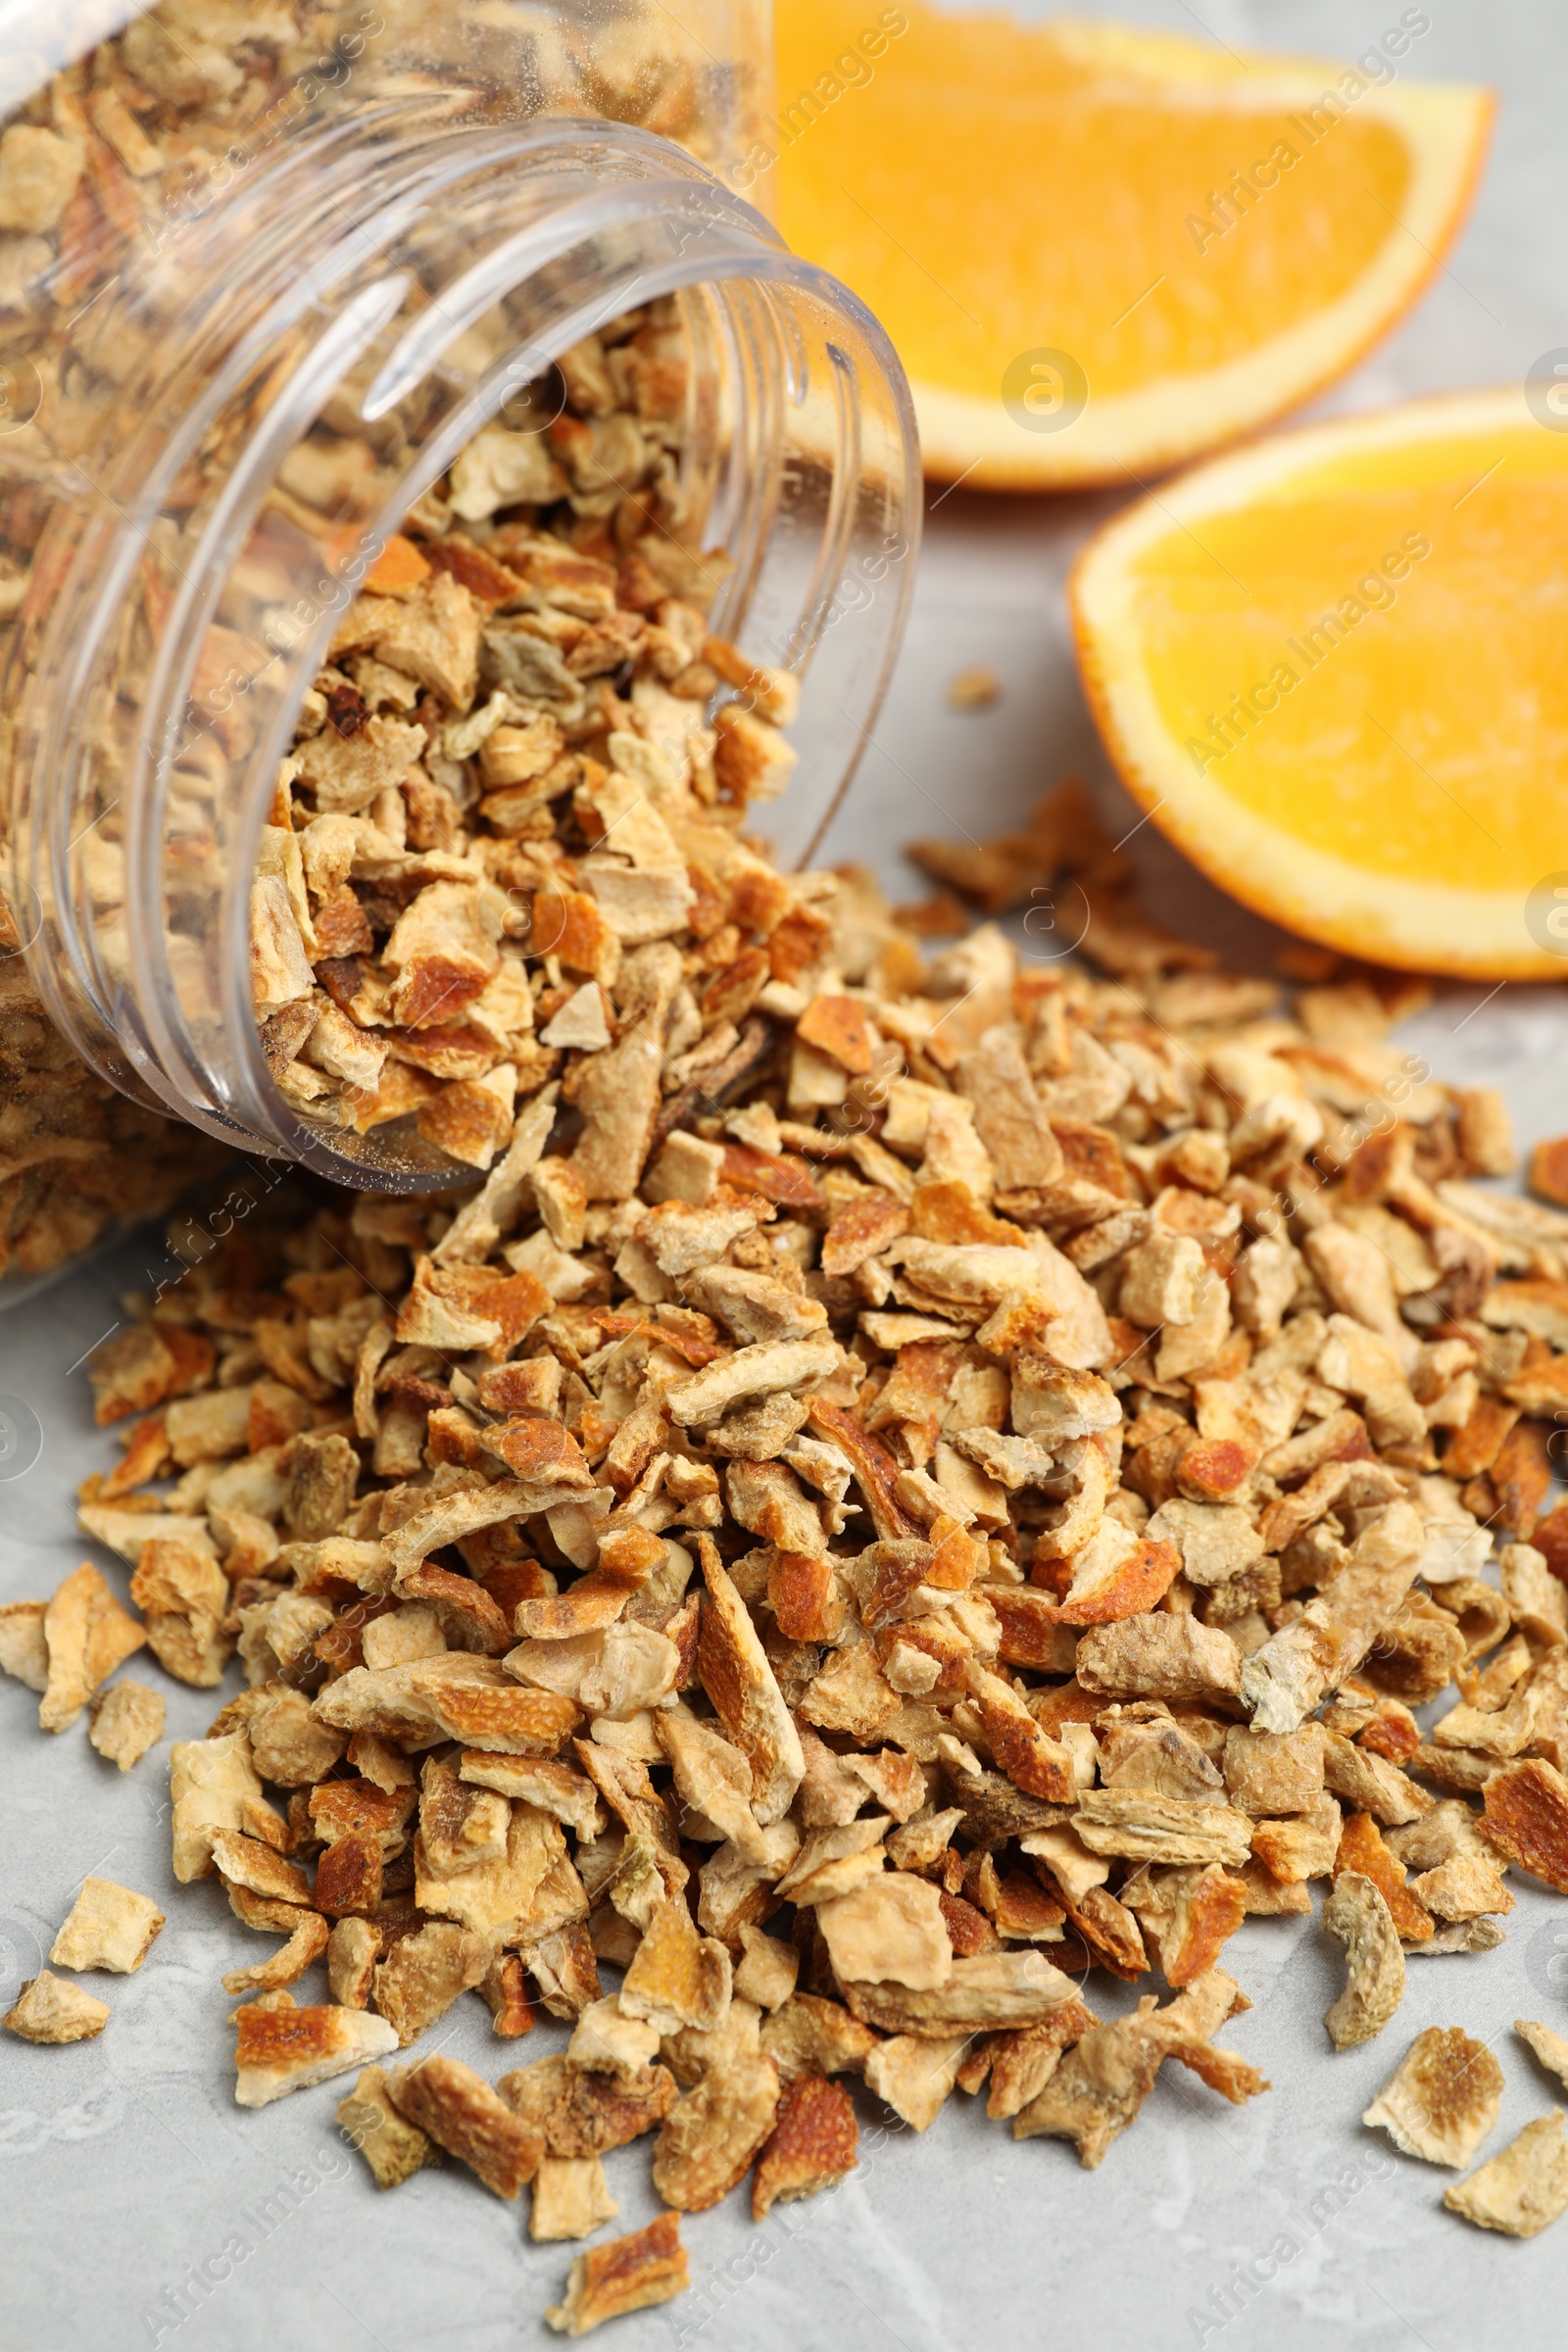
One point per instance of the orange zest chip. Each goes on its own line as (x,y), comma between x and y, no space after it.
(145,1365)
(397,569)
(1475,1446)
(588,2114)
(1141,1579)
(1092,1156)
(1111,1932)
(630,1554)
(281,2049)
(468,1121)
(348,1877)
(470,1618)
(968,1929)
(147,1454)
(436,986)
(401,1090)
(838,1027)
(697,1351)
(934,1637)
(1443,2100)
(1550,1540)
(1362,1848)
(570,925)
(594,1600)
(802,1595)
(862,1228)
(677,1977)
(1526,1818)
(463,2114)
(760,900)
(1029,1623)
(707,2141)
(489,582)
(777,1176)
(957,1559)
(1395,1736)
(1213,1469)
(1067,1702)
(876,1473)
(515,1303)
(341,1808)
(1031,1759)
(533,1447)
(731,992)
(505,1994)
(521,1722)
(1549,1169)
(1022,1908)
(341,925)
(1524,2186)
(796,943)
(1521,1477)
(897,1569)
(1208,1909)
(1021,1326)
(950,1212)
(650,2266)
(812,2143)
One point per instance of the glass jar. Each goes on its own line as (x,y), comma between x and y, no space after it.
(265,272)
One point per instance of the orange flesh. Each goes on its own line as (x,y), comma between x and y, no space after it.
(989,194)
(1430,742)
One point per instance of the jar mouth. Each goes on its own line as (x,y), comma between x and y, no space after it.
(449,268)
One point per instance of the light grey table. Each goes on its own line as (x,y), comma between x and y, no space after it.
(133,2189)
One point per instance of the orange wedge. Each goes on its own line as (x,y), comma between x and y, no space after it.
(1100,251)
(1331,667)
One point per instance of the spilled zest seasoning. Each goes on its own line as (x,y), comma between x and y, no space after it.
(505,796)
(904,1485)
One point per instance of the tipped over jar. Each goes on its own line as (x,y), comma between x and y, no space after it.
(433,506)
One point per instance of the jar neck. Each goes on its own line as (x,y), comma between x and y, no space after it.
(265,396)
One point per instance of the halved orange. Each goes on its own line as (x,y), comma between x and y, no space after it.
(1330,667)
(1100,251)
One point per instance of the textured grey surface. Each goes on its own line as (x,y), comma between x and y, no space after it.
(125,2167)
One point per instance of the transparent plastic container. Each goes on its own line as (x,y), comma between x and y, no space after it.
(417,213)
